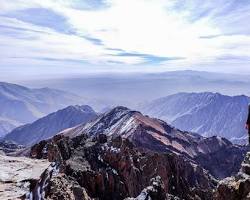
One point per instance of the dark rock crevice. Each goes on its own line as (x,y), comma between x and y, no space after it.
(116,169)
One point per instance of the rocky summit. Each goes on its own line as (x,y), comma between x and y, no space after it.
(113,168)
(124,154)
(219,156)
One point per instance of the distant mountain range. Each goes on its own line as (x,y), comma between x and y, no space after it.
(21,105)
(115,88)
(51,124)
(205,113)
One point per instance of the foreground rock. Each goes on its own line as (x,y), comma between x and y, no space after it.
(16,174)
(236,187)
(9,147)
(106,168)
(154,192)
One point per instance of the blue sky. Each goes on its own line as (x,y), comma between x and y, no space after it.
(78,36)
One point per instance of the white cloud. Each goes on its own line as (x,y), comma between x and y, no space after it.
(173,28)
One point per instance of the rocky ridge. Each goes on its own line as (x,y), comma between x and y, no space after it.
(21,105)
(113,168)
(126,155)
(51,124)
(215,154)
(9,147)
(205,113)
(236,187)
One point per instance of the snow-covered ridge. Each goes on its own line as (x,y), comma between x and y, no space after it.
(146,131)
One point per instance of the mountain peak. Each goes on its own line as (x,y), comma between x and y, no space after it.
(150,133)
(206,113)
(82,108)
(119,109)
(51,124)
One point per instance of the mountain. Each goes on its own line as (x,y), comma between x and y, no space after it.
(51,124)
(114,169)
(21,105)
(113,89)
(157,135)
(123,154)
(205,113)
(6,125)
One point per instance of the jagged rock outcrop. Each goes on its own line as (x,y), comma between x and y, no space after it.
(219,156)
(9,147)
(116,156)
(236,187)
(155,191)
(115,169)
(62,188)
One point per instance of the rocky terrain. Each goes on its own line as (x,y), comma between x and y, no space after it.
(113,168)
(215,154)
(8,148)
(17,173)
(205,113)
(236,187)
(51,124)
(124,155)
(21,105)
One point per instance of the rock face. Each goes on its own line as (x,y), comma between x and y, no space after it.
(236,187)
(21,105)
(16,174)
(205,113)
(113,168)
(62,188)
(125,155)
(155,191)
(215,154)
(51,124)
(8,147)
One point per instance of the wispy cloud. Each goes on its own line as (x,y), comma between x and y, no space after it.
(95,41)
(106,33)
(148,58)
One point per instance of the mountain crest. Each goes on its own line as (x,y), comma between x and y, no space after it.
(51,124)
